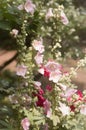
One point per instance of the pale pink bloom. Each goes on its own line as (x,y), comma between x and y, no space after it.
(14,32)
(83,109)
(52,66)
(25,123)
(55,76)
(39,59)
(49,14)
(47,106)
(69,93)
(29,6)
(64,109)
(21,70)
(38,45)
(64,18)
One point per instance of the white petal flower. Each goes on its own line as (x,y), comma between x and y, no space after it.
(64,109)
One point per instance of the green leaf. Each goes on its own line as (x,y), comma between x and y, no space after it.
(5,25)
(55,119)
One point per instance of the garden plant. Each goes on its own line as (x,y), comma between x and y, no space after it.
(42,95)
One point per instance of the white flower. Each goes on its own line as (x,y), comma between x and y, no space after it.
(83,109)
(64,109)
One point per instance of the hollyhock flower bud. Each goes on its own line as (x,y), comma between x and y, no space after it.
(64,18)
(39,59)
(47,106)
(40,101)
(29,7)
(49,88)
(21,70)
(25,123)
(49,14)
(64,109)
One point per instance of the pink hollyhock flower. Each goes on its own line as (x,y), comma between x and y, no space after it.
(21,70)
(52,70)
(83,109)
(49,14)
(69,93)
(25,123)
(47,106)
(39,59)
(29,7)
(38,45)
(64,109)
(52,66)
(55,76)
(14,32)
(64,18)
